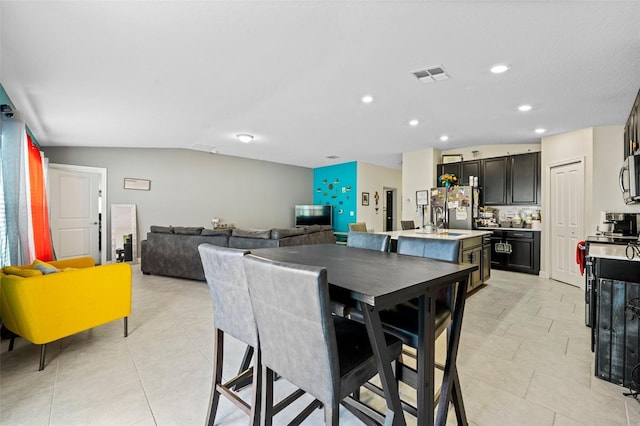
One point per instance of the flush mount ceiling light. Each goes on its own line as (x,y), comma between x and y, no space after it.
(500,68)
(413,122)
(524,108)
(367,99)
(444,138)
(540,130)
(244,137)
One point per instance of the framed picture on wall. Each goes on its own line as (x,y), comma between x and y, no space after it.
(451,158)
(422,198)
(365,198)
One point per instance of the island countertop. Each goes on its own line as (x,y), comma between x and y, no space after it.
(447,234)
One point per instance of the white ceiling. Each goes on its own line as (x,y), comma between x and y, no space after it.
(171,74)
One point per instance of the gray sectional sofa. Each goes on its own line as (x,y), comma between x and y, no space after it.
(173,251)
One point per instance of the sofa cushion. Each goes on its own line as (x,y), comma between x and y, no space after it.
(187,230)
(220,232)
(276,233)
(317,228)
(25,273)
(161,229)
(250,233)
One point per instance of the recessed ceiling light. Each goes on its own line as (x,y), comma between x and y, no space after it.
(540,130)
(367,99)
(524,108)
(444,138)
(244,137)
(500,68)
(413,122)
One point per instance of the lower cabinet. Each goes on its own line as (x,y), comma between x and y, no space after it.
(471,252)
(517,251)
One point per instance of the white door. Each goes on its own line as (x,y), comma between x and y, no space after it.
(566,211)
(75,205)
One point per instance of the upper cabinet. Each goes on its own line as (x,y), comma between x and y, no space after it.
(494,181)
(462,171)
(524,179)
(632,129)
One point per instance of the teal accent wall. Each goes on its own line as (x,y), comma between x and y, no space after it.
(336,185)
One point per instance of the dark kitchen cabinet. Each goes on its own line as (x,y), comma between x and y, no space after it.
(517,251)
(494,181)
(632,129)
(511,180)
(462,171)
(449,169)
(524,179)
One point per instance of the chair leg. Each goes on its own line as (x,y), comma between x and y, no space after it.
(256,399)
(246,361)
(267,411)
(43,349)
(126,326)
(11,342)
(331,415)
(218,350)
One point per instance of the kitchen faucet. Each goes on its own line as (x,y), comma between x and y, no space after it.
(439,216)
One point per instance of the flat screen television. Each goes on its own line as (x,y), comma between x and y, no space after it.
(312,214)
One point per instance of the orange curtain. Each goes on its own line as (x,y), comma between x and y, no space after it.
(39,207)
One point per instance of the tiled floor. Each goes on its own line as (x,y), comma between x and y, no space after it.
(524,360)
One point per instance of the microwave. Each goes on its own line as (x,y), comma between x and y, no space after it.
(630,179)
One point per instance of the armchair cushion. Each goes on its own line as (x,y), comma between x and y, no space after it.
(14,270)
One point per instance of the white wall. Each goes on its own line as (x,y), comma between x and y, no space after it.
(189,188)
(373,178)
(418,173)
(607,160)
(489,151)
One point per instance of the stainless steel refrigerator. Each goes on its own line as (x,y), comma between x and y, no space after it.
(459,204)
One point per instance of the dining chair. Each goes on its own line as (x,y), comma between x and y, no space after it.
(407,224)
(365,240)
(326,355)
(233,315)
(358,227)
(402,321)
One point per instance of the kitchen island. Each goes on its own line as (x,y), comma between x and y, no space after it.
(475,248)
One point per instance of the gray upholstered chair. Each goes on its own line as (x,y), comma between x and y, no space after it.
(407,224)
(358,227)
(364,240)
(233,315)
(327,356)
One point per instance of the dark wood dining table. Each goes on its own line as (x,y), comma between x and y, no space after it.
(378,280)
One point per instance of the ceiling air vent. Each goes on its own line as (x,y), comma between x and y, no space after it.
(431,74)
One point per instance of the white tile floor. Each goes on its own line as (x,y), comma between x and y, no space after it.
(524,360)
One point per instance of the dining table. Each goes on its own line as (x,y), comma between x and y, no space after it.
(375,281)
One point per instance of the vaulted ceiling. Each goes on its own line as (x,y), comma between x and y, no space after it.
(194,74)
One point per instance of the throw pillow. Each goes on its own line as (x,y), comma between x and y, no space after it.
(186,230)
(161,229)
(249,233)
(44,267)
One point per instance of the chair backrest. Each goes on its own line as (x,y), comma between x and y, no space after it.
(297,333)
(224,272)
(407,224)
(358,227)
(365,240)
(430,248)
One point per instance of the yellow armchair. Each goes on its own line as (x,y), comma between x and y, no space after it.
(44,308)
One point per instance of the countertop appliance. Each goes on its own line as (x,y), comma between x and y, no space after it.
(623,224)
(630,179)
